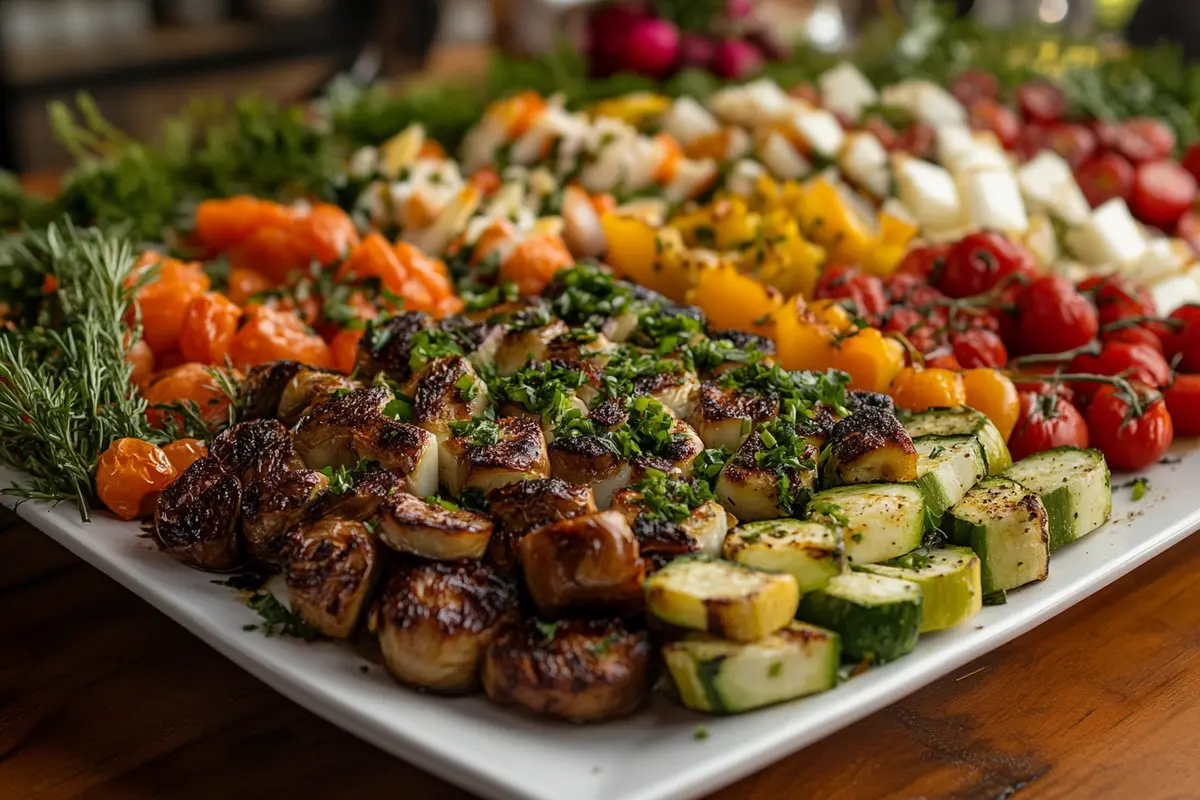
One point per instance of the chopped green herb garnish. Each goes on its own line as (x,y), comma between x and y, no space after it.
(672,499)
(936,451)
(343,479)
(775,670)
(547,629)
(278,619)
(700,733)
(479,432)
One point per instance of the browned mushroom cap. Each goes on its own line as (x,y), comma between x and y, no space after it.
(360,502)
(330,568)
(388,346)
(324,438)
(259,394)
(198,515)
(448,391)
(517,454)
(436,621)
(410,525)
(307,389)
(578,670)
(584,565)
(518,508)
(273,503)
(249,449)
(406,450)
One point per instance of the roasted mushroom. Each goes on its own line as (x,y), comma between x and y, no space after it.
(273,503)
(436,621)
(359,502)
(387,347)
(198,515)
(702,531)
(518,508)
(325,437)
(252,449)
(263,386)
(430,530)
(307,389)
(330,569)
(448,391)
(584,565)
(577,670)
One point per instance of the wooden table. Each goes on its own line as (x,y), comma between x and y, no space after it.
(102,696)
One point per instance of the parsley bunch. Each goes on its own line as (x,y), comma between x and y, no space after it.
(585,295)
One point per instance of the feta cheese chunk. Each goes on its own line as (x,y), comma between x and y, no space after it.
(688,121)
(1162,258)
(782,159)
(820,130)
(751,104)
(1049,186)
(1174,292)
(847,91)
(1110,236)
(928,191)
(993,202)
(926,101)
(865,162)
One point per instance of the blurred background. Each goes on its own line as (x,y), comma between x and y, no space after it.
(144,60)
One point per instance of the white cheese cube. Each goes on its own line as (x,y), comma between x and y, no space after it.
(1162,258)
(993,202)
(926,101)
(751,104)
(744,176)
(897,210)
(1042,240)
(1174,292)
(688,121)
(692,178)
(928,191)
(1110,236)
(1049,186)
(865,162)
(846,91)
(782,159)
(820,130)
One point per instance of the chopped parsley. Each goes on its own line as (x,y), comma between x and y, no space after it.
(278,619)
(342,479)
(245,581)
(431,344)
(668,498)
(585,295)
(700,733)
(479,299)
(1139,487)
(547,629)
(602,647)
(467,387)
(708,354)
(545,388)
(435,500)
(479,432)
(665,329)
(936,451)
(827,510)
(399,408)
(709,463)
(473,499)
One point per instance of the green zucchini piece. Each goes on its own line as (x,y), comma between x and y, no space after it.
(726,677)
(879,520)
(810,551)
(950,579)
(1075,487)
(877,617)
(948,466)
(1008,528)
(963,422)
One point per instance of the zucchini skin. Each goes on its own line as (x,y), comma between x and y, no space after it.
(1069,512)
(1015,511)
(869,632)
(962,421)
(773,545)
(949,597)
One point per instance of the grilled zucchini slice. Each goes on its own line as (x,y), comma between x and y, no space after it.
(948,466)
(408,524)
(879,520)
(950,579)
(1008,528)
(963,422)
(870,446)
(877,617)
(726,677)
(809,551)
(1074,486)
(722,598)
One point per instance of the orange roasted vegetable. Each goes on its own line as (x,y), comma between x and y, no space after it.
(916,389)
(182,452)
(734,301)
(871,359)
(344,348)
(129,476)
(244,283)
(163,301)
(209,324)
(992,392)
(189,381)
(534,262)
(225,223)
(271,334)
(141,357)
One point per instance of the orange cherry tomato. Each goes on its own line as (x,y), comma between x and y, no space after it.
(533,263)
(182,452)
(326,234)
(168,360)
(142,358)
(273,251)
(225,223)
(994,394)
(245,283)
(163,301)
(189,381)
(344,347)
(916,389)
(271,334)
(374,258)
(486,180)
(129,476)
(209,324)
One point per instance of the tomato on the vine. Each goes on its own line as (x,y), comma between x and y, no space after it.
(1041,101)
(1026,381)
(1181,344)
(1162,192)
(1142,139)
(919,140)
(1046,421)
(978,347)
(1183,401)
(1075,143)
(842,282)
(1129,332)
(1117,298)
(1104,177)
(924,262)
(1137,362)
(1053,317)
(914,327)
(978,262)
(1132,428)
(941,358)
(988,115)
(993,393)
(974,85)
(916,389)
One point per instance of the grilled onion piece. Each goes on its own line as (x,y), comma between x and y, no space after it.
(522,345)
(751,492)
(518,508)
(325,437)
(197,517)
(703,531)
(429,530)
(587,460)
(584,564)
(273,503)
(307,389)
(577,670)
(403,449)
(722,416)
(436,621)
(675,390)
(448,391)
(518,455)
(330,568)
(263,386)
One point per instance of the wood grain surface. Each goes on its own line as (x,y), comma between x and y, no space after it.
(103,697)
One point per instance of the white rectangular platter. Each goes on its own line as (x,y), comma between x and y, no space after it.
(654,755)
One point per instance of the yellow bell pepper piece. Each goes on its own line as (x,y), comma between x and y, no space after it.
(735,301)
(635,108)
(644,255)
(895,235)
(802,339)
(835,220)
(871,359)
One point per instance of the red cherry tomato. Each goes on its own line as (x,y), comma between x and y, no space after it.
(974,85)
(1031,140)
(942,359)
(978,262)
(1041,101)
(1142,333)
(1162,192)
(1104,177)
(912,326)
(848,282)
(1183,401)
(1137,362)
(1046,421)
(1032,384)
(918,139)
(1181,344)
(1053,317)
(885,133)
(1188,229)
(979,347)
(1075,143)
(1144,139)
(1130,441)
(1191,160)
(1117,298)
(924,262)
(988,115)
(1106,132)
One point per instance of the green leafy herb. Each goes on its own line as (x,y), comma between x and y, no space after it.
(775,670)
(917,559)
(709,463)
(429,345)
(435,500)
(668,498)
(343,479)
(700,733)
(544,388)
(473,499)
(278,619)
(479,431)
(399,408)
(936,451)
(1139,487)
(827,510)
(547,629)
(251,581)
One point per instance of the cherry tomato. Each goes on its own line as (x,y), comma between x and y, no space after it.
(1041,101)
(916,389)
(1075,143)
(1162,192)
(881,130)
(1188,229)
(1129,441)
(976,263)
(141,358)
(1137,362)
(1046,421)
(1104,177)
(1142,333)
(910,324)
(1024,381)
(183,452)
(991,392)
(988,115)
(1106,132)
(1117,298)
(129,476)
(1183,401)
(1181,341)
(1053,317)
(919,139)
(847,282)
(942,359)
(325,234)
(1031,140)
(243,284)
(1191,160)
(924,262)
(1144,139)
(979,347)
(271,335)
(974,85)
(209,324)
